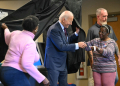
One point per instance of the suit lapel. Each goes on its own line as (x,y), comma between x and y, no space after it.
(62,33)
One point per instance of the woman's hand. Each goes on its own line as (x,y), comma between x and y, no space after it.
(4,26)
(46,82)
(119,61)
(82,44)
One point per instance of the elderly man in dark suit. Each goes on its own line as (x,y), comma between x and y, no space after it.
(57,44)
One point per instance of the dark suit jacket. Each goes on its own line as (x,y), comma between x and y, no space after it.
(56,47)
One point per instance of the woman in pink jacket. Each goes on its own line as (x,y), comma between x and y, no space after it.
(21,55)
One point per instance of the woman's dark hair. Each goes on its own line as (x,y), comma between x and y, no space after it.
(107,27)
(30,23)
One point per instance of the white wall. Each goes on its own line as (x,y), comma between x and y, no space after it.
(13,4)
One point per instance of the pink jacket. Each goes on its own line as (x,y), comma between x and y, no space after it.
(22,53)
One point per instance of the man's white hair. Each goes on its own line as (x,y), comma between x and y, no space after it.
(98,11)
(65,15)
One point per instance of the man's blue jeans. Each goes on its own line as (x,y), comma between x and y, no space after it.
(12,77)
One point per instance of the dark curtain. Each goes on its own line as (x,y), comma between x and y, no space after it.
(41,8)
(75,7)
(47,16)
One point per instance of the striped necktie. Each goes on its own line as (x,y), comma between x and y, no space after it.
(65,32)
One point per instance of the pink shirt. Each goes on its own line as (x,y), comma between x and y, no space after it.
(22,53)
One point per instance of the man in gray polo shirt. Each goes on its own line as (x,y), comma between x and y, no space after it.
(93,32)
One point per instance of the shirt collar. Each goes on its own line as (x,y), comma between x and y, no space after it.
(61,26)
(97,25)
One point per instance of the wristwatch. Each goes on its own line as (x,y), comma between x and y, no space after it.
(94,48)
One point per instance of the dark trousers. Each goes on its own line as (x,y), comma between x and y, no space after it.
(55,76)
(12,77)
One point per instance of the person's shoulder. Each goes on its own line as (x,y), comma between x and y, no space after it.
(112,40)
(15,32)
(54,27)
(93,27)
(29,40)
(110,27)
